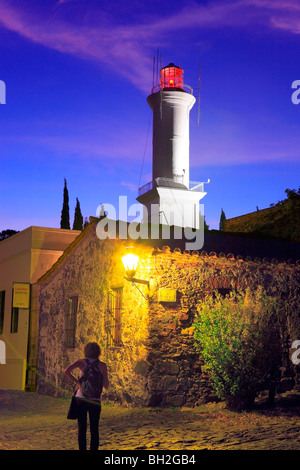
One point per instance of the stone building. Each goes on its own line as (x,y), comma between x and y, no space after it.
(145,329)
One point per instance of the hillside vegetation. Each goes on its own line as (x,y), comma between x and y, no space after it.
(281,220)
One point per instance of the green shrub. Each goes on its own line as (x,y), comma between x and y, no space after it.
(238,338)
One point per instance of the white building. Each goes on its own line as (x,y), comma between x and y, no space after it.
(24,258)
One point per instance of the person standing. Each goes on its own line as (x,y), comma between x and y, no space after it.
(89,401)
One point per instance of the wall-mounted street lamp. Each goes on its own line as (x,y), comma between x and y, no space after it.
(130,262)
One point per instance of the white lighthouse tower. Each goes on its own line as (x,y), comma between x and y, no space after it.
(170,198)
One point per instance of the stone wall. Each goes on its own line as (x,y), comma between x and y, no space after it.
(89,269)
(175,375)
(156,362)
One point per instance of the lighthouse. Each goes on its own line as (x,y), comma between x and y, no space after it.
(171,198)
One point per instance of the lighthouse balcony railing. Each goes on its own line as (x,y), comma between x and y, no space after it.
(186,88)
(196,186)
(147,187)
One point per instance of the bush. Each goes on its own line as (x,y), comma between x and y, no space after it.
(238,337)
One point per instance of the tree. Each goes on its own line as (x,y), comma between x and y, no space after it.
(292,193)
(86,222)
(65,213)
(78,219)
(202,223)
(239,339)
(222,221)
(7,233)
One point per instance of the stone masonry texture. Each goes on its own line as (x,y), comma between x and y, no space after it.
(156,362)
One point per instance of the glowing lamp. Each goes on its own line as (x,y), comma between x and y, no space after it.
(130,262)
(171,76)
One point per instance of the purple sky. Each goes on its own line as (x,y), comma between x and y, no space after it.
(77,75)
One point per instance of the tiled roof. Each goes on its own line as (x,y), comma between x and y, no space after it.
(235,246)
(245,246)
(229,256)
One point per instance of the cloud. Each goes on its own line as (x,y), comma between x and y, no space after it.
(119,47)
(279,14)
(126,46)
(132,187)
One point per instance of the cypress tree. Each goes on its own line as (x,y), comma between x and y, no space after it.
(222,221)
(65,213)
(78,219)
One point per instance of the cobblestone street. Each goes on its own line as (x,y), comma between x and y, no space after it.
(29,421)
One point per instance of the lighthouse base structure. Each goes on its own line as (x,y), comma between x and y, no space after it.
(172,206)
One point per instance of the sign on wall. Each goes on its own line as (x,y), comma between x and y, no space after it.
(2,353)
(167,295)
(21,295)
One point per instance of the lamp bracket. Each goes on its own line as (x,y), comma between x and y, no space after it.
(139,281)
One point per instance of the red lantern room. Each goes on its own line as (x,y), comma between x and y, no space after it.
(171,76)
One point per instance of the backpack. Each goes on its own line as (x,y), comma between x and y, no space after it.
(91,382)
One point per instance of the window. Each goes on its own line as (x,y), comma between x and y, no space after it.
(2,305)
(14,320)
(113,317)
(71,305)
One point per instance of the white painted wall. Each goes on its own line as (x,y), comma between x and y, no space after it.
(171,142)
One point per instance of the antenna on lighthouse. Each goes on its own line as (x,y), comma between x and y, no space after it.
(199,93)
(157,68)
(153,74)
